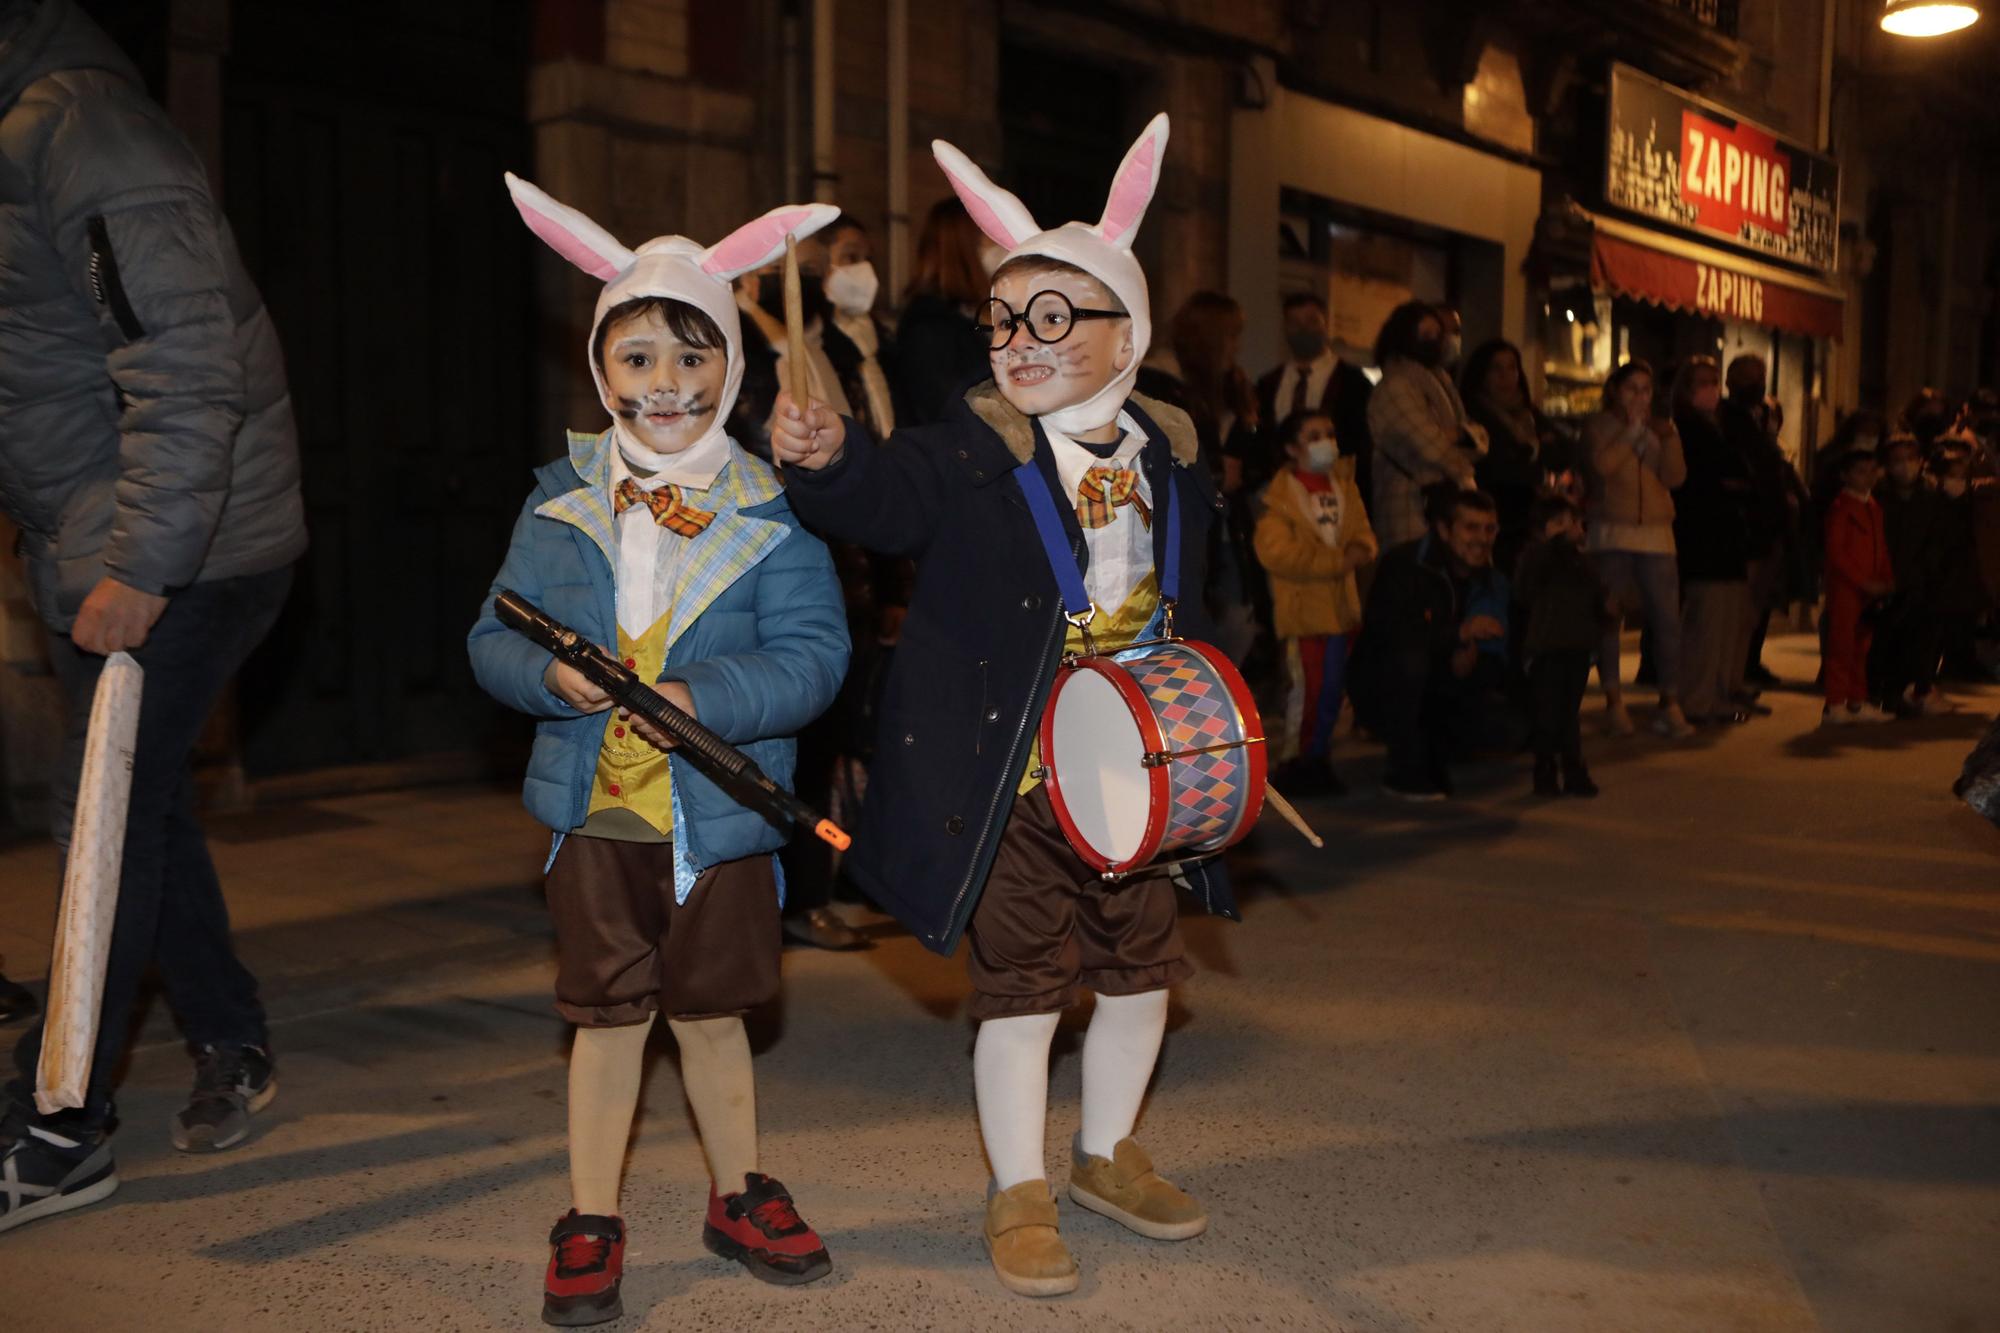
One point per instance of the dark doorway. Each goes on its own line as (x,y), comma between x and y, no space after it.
(363,151)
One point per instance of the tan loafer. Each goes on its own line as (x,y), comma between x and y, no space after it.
(1125,1188)
(1026,1247)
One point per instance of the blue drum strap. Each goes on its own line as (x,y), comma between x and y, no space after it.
(1062,560)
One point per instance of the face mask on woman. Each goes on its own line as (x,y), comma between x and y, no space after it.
(1320,455)
(852,288)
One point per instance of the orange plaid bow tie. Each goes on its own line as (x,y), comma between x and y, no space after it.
(1103,490)
(669,510)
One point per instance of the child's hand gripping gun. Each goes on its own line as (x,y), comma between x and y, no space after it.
(716,757)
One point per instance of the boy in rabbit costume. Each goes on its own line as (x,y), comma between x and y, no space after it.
(958,833)
(661,537)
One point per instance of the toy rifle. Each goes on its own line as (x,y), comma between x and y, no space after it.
(734,770)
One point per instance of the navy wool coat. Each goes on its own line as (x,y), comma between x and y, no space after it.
(983,636)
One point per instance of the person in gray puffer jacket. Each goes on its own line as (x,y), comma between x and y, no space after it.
(146,430)
(149,456)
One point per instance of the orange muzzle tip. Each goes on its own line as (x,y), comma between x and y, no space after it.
(833,835)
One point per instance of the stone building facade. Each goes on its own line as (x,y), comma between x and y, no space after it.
(1365,149)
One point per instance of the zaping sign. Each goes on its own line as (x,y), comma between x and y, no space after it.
(1681,161)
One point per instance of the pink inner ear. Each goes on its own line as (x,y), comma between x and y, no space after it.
(1132,191)
(753,244)
(566,243)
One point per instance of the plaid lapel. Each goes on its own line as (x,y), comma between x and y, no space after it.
(588,507)
(732,545)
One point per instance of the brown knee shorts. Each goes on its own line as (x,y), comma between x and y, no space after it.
(1047,924)
(625,949)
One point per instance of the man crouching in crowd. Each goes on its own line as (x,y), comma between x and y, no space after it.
(1430,672)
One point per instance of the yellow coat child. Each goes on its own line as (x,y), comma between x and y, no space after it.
(1312,536)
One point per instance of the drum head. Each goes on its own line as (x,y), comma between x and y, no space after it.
(1097,756)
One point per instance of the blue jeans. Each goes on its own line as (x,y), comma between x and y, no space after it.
(1656,581)
(170,908)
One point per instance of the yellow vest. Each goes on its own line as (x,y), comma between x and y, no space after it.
(1120,631)
(633,773)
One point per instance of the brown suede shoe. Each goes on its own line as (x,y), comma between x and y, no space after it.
(1125,1188)
(1028,1252)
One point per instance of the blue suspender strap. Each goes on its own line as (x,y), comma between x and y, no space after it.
(1062,561)
(1048,524)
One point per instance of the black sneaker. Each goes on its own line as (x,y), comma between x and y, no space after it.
(1576,778)
(1420,793)
(231,1084)
(44,1171)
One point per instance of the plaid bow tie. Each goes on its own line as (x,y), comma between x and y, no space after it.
(1103,490)
(669,510)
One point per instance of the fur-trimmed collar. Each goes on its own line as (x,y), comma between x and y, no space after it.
(1017,430)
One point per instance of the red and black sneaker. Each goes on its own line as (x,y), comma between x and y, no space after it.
(761,1230)
(584,1270)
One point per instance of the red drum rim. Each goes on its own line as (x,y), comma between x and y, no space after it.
(1159,793)
(1252,723)
(1157,790)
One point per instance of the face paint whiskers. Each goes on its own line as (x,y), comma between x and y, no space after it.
(663,406)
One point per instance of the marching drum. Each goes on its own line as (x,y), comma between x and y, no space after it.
(1154,754)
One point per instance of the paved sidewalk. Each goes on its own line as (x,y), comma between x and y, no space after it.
(1715,1052)
(339,890)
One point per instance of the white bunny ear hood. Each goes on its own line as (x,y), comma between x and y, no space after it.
(669,266)
(1103,250)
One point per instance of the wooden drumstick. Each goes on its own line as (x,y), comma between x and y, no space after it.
(1292,815)
(795,329)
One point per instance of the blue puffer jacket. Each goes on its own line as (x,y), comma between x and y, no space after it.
(759,637)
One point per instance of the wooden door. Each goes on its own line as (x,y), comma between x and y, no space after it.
(364,146)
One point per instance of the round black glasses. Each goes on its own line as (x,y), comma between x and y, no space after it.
(1049,318)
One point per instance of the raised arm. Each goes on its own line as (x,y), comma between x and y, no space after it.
(883,496)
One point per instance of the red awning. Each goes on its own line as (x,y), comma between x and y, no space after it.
(1702,281)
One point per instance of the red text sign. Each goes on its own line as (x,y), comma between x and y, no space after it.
(1733,173)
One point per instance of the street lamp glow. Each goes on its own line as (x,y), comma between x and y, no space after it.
(1928,18)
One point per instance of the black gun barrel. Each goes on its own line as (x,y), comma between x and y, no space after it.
(722,761)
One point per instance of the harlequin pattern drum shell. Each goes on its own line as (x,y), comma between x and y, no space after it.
(1109,721)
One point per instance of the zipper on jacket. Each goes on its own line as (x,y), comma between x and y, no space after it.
(105,285)
(985,692)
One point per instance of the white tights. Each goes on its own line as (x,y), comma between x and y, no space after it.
(1010,1076)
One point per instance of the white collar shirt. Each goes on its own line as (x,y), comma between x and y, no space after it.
(1316,376)
(650,556)
(1121,552)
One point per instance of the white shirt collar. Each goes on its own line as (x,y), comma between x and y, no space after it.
(1073,459)
(693,469)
